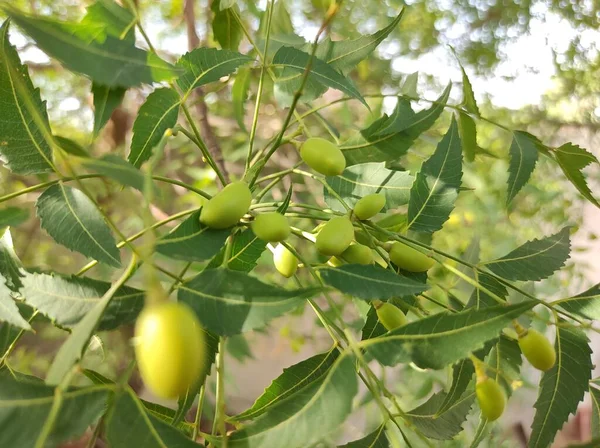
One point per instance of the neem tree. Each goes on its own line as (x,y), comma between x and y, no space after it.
(367,248)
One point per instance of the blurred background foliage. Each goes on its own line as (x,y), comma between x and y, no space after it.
(535,65)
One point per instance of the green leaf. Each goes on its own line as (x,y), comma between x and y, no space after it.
(120,170)
(481,433)
(572,160)
(66,300)
(292,380)
(106,59)
(468,136)
(443,338)
(505,362)
(370,282)
(534,260)
(72,219)
(360,180)
(481,299)
(308,415)
(372,328)
(230,302)
(10,265)
(562,387)
(409,87)
(192,241)
(206,65)
(116,20)
(9,312)
(71,147)
(226,29)
(462,375)
(436,186)
(158,113)
(245,252)
(586,304)
(377,439)
(292,64)
(595,396)
(523,157)
(441,425)
(130,424)
(12,217)
(25,407)
(23,148)
(239,95)
(106,100)
(469,101)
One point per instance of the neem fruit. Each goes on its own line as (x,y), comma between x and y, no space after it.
(358,254)
(391,317)
(369,206)
(335,236)
(323,156)
(285,261)
(272,227)
(410,259)
(491,398)
(227,207)
(537,349)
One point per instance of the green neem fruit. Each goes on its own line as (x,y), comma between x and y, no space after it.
(390,316)
(358,254)
(169,348)
(491,398)
(323,156)
(335,236)
(538,350)
(285,262)
(272,227)
(369,206)
(410,259)
(227,207)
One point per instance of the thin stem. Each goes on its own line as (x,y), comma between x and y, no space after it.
(13,344)
(198,419)
(133,6)
(219,420)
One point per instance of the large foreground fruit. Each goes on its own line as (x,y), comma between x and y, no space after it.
(369,205)
(227,207)
(335,236)
(323,156)
(409,259)
(391,317)
(272,227)
(169,347)
(285,261)
(491,398)
(538,350)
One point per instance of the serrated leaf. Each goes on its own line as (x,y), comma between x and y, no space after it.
(246,250)
(239,95)
(595,396)
(292,380)
(436,185)
(9,312)
(572,160)
(372,328)
(469,101)
(25,407)
(158,113)
(66,300)
(230,302)
(370,282)
(292,61)
(120,170)
(359,180)
(441,425)
(116,20)
(442,339)
(225,27)
(377,439)
(586,304)
(10,265)
(106,59)
(481,433)
(72,219)
(462,374)
(468,135)
(23,148)
(409,86)
(71,146)
(206,65)
(562,387)
(106,100)
(12,217)
(481,299)
(192,241)
(534,260)
(505,362)
(523,157)
(307,416)
(129,423)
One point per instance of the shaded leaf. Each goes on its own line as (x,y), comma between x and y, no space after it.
(505,362)
(372,328)
(71,147)
(10,265)
(226,29)
(106,100)
(586,304)
(13,216)
(377,439)
(462,374)
(523,157)
(481,299)
(9,312)
(572,160)
(468,135)
(239,95)
(116,20)
(116,168)
(246,250)
(595,396)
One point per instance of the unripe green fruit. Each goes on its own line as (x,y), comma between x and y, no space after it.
(323,156)
(227,207)
(390,316)
(335,236)
(538,350)
(170,348)
(491,398)
(272,227)
(409,259)
(358,254)
(285,262)
(369,206)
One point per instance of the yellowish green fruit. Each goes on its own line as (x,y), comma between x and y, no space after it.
(358,254)
(285,261)
(335,236)
(169,348)
(369,206)
(391,317)
(410,259)
(227,207)
(538,350)
(323,156)
(491,398)
(272,227)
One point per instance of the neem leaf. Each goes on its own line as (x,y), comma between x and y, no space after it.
(586,304)
(523,157)
(572,160)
